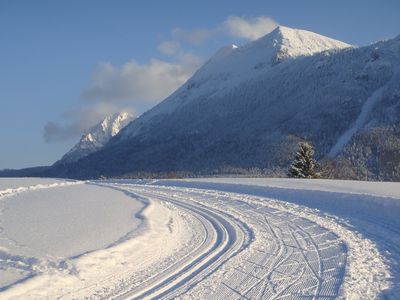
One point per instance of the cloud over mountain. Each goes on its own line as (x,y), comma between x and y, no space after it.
(137,86)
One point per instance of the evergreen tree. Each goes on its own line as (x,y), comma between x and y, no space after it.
(304,164)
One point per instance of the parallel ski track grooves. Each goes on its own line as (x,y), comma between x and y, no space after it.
(276,262)
(294,249)
(228,241)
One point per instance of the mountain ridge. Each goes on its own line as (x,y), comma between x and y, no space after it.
(225,68)
(246,109)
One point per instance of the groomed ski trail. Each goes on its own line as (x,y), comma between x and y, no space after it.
(262,249)
(215,244)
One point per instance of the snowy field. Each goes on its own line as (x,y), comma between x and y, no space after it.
(220,238)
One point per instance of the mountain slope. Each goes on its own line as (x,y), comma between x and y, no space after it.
(249,106)
(232,65)
(96,137)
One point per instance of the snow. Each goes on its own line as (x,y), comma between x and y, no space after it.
(241,63)
(361,119)
(14,183)
(63,214)
(379,189)
(48,223)
(232,65)
(205,238)
(97,136)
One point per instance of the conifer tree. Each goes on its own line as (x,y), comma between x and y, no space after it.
(304,164)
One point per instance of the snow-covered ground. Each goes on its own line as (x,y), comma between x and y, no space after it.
(13,183)
(215,238)
(43,223)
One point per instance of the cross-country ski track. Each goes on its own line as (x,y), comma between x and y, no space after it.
(223,241)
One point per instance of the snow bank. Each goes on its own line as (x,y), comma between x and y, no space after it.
(13,183)
(381,189)
(87,241)
(355,199)
(42,227)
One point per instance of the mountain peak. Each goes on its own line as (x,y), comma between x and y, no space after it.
(290,42)
(97,136)
(250,59)
(280,29)
(112,124)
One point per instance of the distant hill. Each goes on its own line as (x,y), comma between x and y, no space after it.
(27,172)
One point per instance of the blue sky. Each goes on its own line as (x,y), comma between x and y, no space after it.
(64,64)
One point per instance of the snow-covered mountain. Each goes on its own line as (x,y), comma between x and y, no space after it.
(232,65)
(249,106)
(96,137)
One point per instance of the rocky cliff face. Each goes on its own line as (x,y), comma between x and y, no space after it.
(96,137)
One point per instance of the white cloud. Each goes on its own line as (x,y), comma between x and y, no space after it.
(250,29)
(244,28)
(153,81)
(138,86)
(137,82)
(131,87)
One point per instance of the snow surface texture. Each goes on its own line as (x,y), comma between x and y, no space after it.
(44,224)
(97,136)
(224,238)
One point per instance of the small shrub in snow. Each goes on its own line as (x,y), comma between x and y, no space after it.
(304,164)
